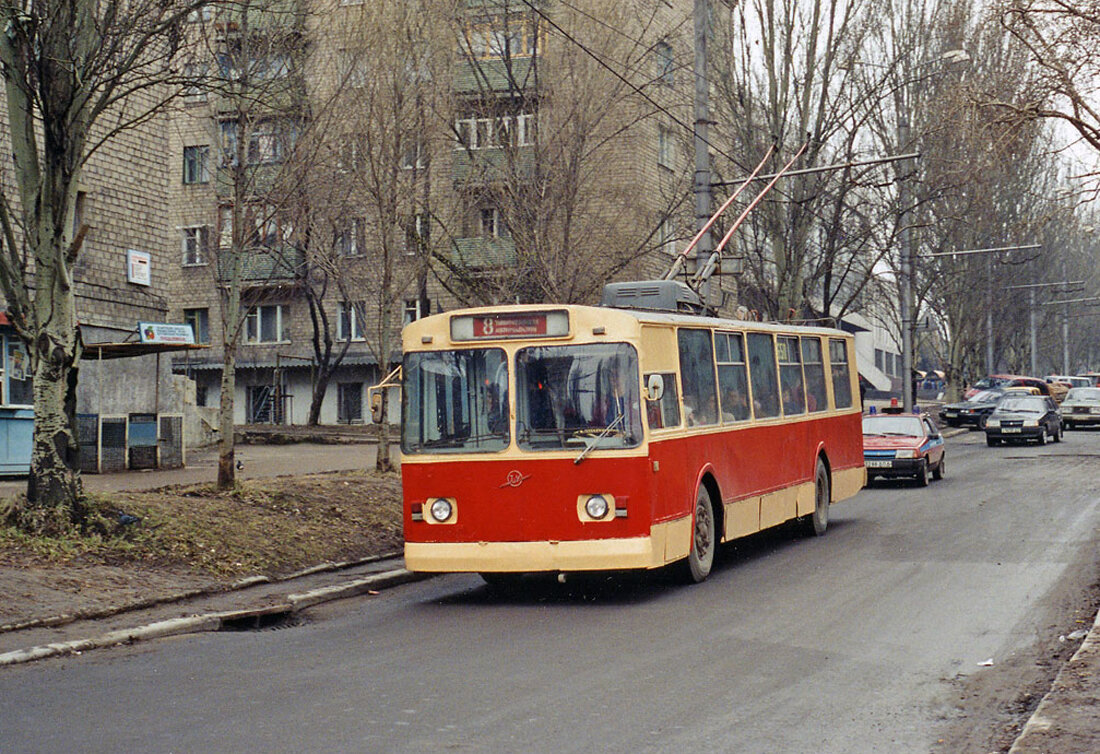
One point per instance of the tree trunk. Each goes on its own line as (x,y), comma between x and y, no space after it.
(54,482)
(318,398)
(227,469)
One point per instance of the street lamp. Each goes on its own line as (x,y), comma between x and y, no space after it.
(907,261)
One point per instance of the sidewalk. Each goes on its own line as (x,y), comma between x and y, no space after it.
(256,461)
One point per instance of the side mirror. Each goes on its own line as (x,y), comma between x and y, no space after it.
(655,387)
(375,397)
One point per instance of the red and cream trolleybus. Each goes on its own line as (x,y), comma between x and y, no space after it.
(558,438)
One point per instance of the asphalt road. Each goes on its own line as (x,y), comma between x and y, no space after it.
(853,642)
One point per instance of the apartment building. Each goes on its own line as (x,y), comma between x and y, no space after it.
(130,408)
(350,166)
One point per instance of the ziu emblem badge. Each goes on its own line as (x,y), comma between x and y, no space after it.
(515,479)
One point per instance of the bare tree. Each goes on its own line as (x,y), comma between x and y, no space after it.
(76,74)
(252,52)
(549,137)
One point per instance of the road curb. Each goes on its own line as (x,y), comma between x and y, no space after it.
(207,622)
(1041,719)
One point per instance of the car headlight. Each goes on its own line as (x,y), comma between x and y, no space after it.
(1031,422)
(596,506)
(993,423)
(441,509)
(907,454)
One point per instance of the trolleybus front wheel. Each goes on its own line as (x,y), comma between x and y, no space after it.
(703,539)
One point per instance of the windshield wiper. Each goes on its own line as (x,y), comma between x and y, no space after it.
(596,440)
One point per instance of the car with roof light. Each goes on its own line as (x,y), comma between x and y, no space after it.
(897,445)
(1022,418)
(1081,408)
(973,411)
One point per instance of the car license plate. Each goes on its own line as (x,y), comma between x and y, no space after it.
(1011,431)
(879,464)
(951,414)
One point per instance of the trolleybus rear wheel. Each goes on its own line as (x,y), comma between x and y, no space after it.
(818,521)
(703,538)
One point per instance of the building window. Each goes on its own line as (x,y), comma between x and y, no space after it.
(518,130)
(352,322)
(664,147)
(261,404)
(199,319)
(350,240)
(665,63)
(491,223)
(200,395)
(415,308)
(666,236)
(265,324)
(195,164)
(417,234)
(195,77)
(500,36)
(225,227)
(194,241)
(413,157)
(349,153)
(349,403)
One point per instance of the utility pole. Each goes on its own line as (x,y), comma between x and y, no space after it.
(702,188)
(1034,338)
(906,274)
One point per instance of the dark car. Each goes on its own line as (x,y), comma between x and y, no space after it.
(1024,417)
(902,445)
(973,411)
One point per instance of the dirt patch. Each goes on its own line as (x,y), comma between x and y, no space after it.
(184,538)
(993,705)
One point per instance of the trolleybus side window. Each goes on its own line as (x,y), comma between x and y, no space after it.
(762,373)
(790,375)
(842,381)
(733,382)
(455,402)
(817,398)
(697,374)
(665,411)
(576,396)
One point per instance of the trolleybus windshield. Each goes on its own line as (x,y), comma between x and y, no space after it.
(577,396)
(455,402)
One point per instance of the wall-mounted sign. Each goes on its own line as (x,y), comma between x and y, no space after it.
(137,267)
(160,332)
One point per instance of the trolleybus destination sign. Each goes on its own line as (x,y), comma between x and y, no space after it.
(507,325)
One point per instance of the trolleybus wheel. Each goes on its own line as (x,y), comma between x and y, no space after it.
(818,521)
(703,538)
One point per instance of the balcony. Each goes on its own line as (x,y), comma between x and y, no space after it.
(483,253)
(263,267)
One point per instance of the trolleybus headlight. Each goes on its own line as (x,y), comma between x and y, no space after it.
(441,509)
(596,506)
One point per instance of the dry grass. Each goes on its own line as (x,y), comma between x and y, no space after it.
(264,526)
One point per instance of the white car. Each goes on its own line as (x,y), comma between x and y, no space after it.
(1081,407)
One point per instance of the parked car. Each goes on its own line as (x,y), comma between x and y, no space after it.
(1022,418)
(993,380)
(973,411)
(1081,408)
(902,445)
(1069,380)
